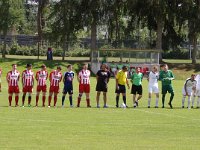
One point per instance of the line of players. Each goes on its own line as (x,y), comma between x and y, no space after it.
(103,75)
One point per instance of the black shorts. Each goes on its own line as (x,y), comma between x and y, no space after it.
(101,88)
(68,89)
(136,89)
(121,89)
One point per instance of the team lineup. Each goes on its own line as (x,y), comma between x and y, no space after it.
(191,88)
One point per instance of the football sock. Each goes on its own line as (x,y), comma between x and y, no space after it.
(63,99)
(189,101)
(124,99)
(78,102)
(37,99)
(70,100)
(117,100)
(183,100)
(157,101)
(171,98)
(29,100)
(88,102)
(149,101)
(198,101)
(193,98)
(49,101)
(163,99)
(16,100)
(43,100)
(55,100)
(10,100)
(23,100)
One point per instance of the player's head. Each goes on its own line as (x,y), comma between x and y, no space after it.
(43,67)
(124,68)
(69,67)
(155,69)
(85,66)
(193,76)
(59,68)
(28,66)
(14,66)
(138,69)
(104,67)
(162,67)
(165,67)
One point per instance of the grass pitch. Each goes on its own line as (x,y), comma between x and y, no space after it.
(92,128)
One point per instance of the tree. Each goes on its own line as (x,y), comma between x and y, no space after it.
(11,13)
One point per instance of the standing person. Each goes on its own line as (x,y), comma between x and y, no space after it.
(121,81)
(13,87)
(41,77)
(102,76)
(136,80)
(68,85)
(55,78)
(27,83)
(153,85)
(197,92)
(84,84)
(189,89)
(166,76)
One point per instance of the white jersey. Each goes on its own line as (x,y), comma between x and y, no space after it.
(153,78)
(189,84)
(197,78)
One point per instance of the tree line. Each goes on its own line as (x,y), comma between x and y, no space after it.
(168,23)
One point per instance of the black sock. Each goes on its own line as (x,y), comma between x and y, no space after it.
(70,100)
(124,99)
(63,99)
(163,99)
(171,98)
(117,100)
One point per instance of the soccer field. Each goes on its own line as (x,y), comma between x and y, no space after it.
(102,128)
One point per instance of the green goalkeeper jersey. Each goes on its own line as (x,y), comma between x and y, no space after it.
(136,78)
(166,77)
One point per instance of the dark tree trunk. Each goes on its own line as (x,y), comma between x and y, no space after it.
(159,36)
(194,50)
(93,39)
(4,44)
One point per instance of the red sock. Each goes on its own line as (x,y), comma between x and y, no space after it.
(49,100)
(78,102)
(16,100)
(37,99)
(55,100)
(10,100)
(88,102)
(43,100)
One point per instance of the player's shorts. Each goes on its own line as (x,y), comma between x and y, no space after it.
(121,89)
(27,89)
(101,87)
(167,88)
(54,89)
(68,89)
(84,88)
(153,89)
(13,89)
(136,89)
(42,88)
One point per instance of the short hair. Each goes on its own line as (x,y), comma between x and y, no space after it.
(124,68)
(59,67)
(43,66)
(162,65)
(69,65)
(28,65)
(14,64)
(193,74)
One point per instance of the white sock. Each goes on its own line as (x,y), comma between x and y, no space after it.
(183,100)
(189,101)
(198,101)
(149,101)
(157,101)
(193,98)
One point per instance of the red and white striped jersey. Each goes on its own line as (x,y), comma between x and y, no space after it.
(13,78)
(27,78)
(84,76)
(41,77)
(55,78)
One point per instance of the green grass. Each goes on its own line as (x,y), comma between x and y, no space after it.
(92,128)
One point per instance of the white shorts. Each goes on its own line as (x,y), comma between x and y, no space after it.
(153,89)
(189,91)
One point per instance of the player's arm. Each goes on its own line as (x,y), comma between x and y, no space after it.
(127,83)
(50,76)
(33,79)
(8,77)
(97,76)
(108,77)
(64,77)
(117,81)
(78,77)
(61,76)
(23,79)
(185,87)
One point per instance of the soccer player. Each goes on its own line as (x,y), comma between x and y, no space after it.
(153,85)
(197,92)
(84,85)
(27,83)
(102,76)
(189,89)
(136,80)
(121,81)
(166,76)
(68,85)
(13,87)
(41,77)
(55,78)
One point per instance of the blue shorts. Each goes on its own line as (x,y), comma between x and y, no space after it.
(68,89)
